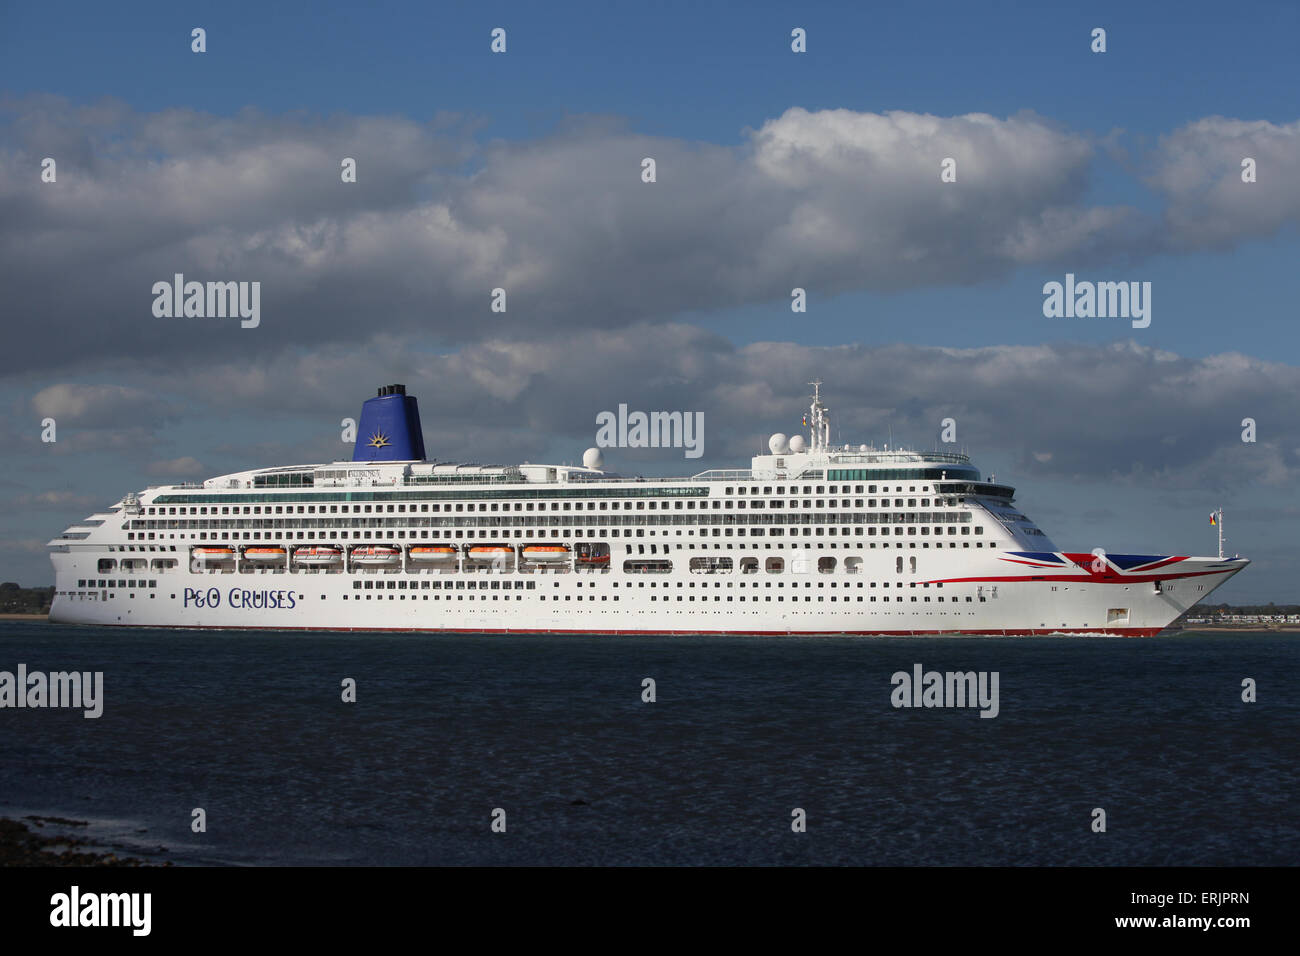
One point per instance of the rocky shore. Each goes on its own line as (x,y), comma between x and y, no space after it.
(21,845)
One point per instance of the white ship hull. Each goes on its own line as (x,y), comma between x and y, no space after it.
(1071,600)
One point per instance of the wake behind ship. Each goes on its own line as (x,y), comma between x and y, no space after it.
(811,539)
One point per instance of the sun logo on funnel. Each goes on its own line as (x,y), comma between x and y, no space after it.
(379,440)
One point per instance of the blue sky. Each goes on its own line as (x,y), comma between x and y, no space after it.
(1126,147)
(682,69)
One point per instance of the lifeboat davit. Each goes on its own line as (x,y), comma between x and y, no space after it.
(317,556)
(432,553)
(213,555)
(546,552)
(264,555)
(375,555)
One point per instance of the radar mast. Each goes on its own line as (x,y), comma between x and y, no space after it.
(818,422)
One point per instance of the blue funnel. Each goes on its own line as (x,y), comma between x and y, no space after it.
(390,428)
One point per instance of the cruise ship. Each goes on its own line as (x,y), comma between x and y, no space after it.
(810,539)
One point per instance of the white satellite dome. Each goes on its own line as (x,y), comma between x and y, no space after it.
(592,458)
(797,444)
(779,444)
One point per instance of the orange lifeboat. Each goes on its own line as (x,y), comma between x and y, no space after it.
(429,553)
(490,553)
(264,555)
(317,556)
(375,555)
(213,555)
(546,552)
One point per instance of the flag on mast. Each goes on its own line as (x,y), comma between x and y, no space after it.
(1213,519)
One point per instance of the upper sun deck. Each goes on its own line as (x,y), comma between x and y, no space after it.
(846,464)
(794,458)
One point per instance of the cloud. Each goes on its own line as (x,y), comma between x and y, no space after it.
(1120,412)
(833,201)
(176,467)
(54,500)
(96,417)
(93,405)
(1198,169)
(36,547)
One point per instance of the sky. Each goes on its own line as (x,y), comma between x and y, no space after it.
(774,170)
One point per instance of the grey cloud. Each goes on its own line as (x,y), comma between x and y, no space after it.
(54,500)
(1121,412)
(832,201)
(184,467)
(1198,170)
(98,405)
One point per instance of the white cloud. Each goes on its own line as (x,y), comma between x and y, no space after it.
(1198,170)
(833,201)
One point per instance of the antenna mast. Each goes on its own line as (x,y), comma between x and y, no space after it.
(819,424)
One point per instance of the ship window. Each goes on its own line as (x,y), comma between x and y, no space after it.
(711,565)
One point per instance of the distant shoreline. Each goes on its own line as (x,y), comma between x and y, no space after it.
(1242,628)
(24,617)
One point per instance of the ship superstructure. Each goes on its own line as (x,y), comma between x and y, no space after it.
(810,539)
